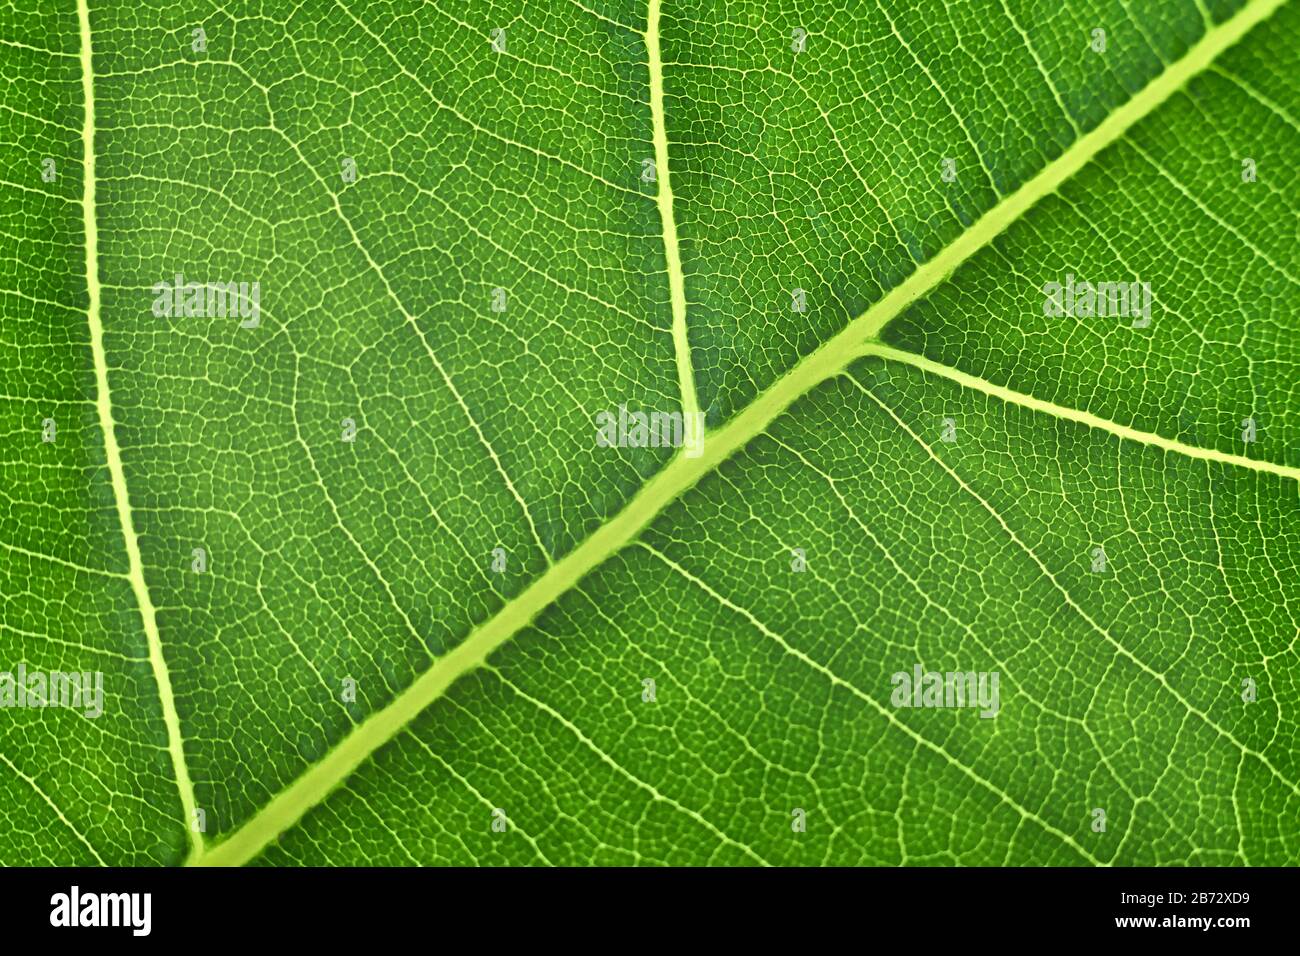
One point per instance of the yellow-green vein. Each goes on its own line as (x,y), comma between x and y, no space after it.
(672,254)
(104,406)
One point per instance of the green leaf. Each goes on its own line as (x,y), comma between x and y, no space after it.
(435,619)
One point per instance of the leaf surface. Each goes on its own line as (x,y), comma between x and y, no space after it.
(621,207)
